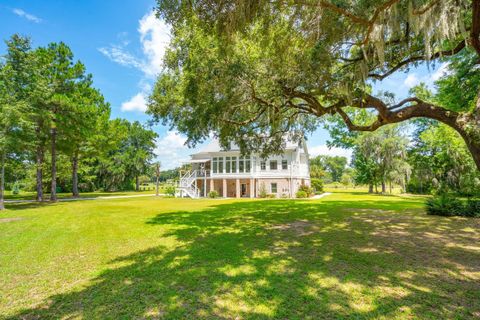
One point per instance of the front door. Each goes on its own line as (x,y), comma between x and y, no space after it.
(243,190)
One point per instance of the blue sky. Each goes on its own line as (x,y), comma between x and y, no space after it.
(122,44)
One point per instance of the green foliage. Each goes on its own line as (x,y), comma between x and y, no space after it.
(213,194)
(16,188)
(348,177)
(253,71)
(458,90)
(441,162)
(317,185)
(449,206)
(472,208)
(380,157)
(50,96)
(170,190)
(301,194)
(327,166)
(308,190)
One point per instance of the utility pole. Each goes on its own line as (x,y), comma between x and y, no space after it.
(157,173)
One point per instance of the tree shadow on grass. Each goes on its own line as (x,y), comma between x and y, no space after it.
(289,260)
(28,205)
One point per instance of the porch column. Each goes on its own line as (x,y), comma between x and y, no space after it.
(237,188)
(205,186)
(212,187)
(224,188)
(252,188)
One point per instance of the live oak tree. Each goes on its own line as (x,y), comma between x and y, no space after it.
(252,71)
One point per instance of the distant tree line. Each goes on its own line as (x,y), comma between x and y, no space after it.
(55,127)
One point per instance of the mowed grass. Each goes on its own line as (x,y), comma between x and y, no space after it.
(348,255)
(29,195)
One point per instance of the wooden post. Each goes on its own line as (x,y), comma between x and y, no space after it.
(224,187)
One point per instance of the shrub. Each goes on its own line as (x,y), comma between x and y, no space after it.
(472,209)
(170,191)
(317,185)
(301,194)
(306,189)
(16,188)
(271,195)
(446,205)
(213,194)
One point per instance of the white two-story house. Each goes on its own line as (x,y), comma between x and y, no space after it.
(233,175)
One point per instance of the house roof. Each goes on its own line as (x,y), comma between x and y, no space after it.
(214,146)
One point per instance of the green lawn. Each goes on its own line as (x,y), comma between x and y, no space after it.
(28,195)
(348,255)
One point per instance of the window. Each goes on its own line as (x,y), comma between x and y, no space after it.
(273,165)
(284,165)
(220,164)
(244,164)
(215,165)
(234,164)
(273,188)
(263,165)
(227,164)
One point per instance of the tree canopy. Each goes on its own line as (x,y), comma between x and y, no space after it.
(254,71)
(52,117)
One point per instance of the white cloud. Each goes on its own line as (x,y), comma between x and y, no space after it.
(325,150)
(411,81)
(171,150)
(120,56)
(428,77)
(26,15)
(154,37)
(137,103)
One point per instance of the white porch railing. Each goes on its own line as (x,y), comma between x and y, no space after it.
(188,184)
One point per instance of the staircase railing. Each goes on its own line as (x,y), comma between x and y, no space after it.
(188,183)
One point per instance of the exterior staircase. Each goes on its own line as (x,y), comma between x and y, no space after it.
(188,186)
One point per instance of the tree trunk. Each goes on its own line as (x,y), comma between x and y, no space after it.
(384,187)
(40,156)
(53,194)
(75,192)
(370,188)
(157,184)
(474,147)
(137,183)
(2,181)
(390,187)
